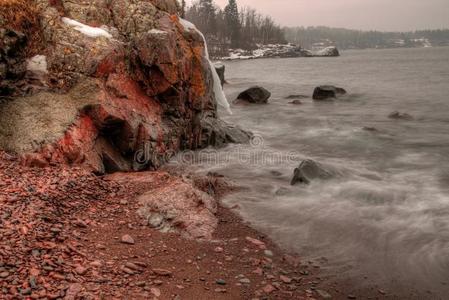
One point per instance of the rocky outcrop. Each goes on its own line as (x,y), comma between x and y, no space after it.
(309,170)
(326,92)
(172,204)
(254,95)
(328,52)
(104,84)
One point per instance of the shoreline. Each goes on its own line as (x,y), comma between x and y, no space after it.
(69,246)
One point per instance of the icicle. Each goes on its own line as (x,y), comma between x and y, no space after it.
(218,89)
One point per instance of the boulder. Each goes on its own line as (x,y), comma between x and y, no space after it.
(400,116)
(254,95)
(176,205)
(107,85)
(220,68)
(328,52)
(309,170)
(326,92)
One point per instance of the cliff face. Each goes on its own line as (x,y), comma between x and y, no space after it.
(111,85)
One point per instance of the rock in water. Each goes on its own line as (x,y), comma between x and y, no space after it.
(254,95)
(326,92)
(309,170)
(220,68)
(328,52)
(124,95)
(400,116)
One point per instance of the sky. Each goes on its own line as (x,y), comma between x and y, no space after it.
(384,15)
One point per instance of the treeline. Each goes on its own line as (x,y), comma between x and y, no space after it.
(315,37)
(232,27)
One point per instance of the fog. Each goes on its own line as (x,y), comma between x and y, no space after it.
(385,15)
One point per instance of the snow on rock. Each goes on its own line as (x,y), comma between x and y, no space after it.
(218,89)
(329,51)
(93,32)
(37,64)
(157,31)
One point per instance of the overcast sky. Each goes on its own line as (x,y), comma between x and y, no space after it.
(385,15)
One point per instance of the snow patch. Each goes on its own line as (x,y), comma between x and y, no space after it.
(157,31)
(218,89)
(37,64)
(89,31)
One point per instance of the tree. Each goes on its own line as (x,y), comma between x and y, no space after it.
(233,25)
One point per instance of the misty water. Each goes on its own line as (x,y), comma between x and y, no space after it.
(386,218)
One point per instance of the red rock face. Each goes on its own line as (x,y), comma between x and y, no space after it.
(152,86)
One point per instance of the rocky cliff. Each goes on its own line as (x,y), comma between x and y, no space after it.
(111,85)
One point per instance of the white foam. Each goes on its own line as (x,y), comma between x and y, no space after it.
(218,89)
(93,32)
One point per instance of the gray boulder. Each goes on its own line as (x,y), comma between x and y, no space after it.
(254,95)
(309,170)
(326,92)
(331,51)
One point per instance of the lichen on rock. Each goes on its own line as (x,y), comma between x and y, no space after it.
(151,86)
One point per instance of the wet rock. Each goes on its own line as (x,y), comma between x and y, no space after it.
(293,97)
(400,116)
(254,95)
(218,133)
(309,170)
(326,92)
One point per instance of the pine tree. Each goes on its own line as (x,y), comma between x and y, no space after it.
(233,24)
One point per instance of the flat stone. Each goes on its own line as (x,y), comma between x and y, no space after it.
(127,239)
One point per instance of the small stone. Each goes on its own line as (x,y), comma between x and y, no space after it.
(268,253)
(324,294)
(127,239)
(156,292)
(268,289)
(218,250)
(285,279)
(26,291)
(245,281)
(162,272)
(220,282)
(218,290)
(4,274)
(80,270)
(352,297)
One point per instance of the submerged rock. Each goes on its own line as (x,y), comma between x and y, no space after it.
(254,95)
(400,116)
(325,92)
(309,170)
(291,97)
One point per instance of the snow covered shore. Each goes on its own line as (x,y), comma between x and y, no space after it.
(279,51)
